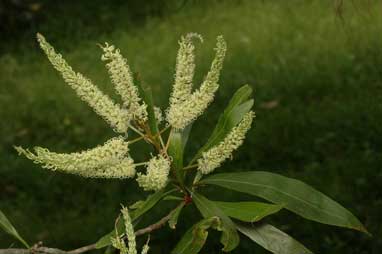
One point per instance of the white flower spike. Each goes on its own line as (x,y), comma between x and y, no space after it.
(185,107)
(146,247)
(119,244)
(117,117)
(156,177)
(215,156)
(118,241)
(122,78)
(129,231)
(107,161)
(184,70)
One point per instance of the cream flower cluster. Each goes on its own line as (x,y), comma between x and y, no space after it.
(107,161)
(117,117)
(119,243)
(185,106)
(122,78)
(156,176)
(112,160)
(215,156)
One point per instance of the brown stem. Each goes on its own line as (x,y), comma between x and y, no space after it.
(154,226)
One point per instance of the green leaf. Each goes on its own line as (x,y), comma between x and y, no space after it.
(137,205)
(7,226)
(297,196)
(146,95)
(110,250)
(194,239)
(172,198)
(248,211)
(272,239)
(175,215)
(149,203)
(178,141)
(230,238)
(238,106)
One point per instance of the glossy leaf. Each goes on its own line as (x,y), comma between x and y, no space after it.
(272,239)
(297,196)
(178,140)
(230,238)
(248,211)
(195,238)
(175,215)
(7,226)
(238,106)
(149,203)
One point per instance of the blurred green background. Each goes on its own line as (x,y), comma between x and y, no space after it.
(316,69)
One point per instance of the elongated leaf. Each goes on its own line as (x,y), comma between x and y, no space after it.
(194,239)
(149,203)
(297,196)
(172,198)
(147,97)
(272,239)
(175,215)
(248,211)
(7,226)
(230,238)
(238,106)
(178,140)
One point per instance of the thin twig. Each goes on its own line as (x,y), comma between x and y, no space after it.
(83,249)
(161,141)
(164,129)
(190,167)
(135,140)
(154,226)
(154,136)
(137,131)
(159,134)
(140,164)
